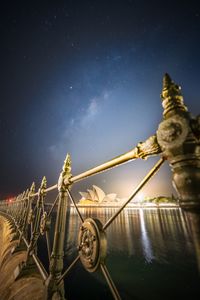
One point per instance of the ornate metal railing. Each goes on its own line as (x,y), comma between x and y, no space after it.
(27,211)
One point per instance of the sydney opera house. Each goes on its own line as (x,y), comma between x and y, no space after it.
(97,196)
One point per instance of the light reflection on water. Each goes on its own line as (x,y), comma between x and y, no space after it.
(151,252)
(150,233)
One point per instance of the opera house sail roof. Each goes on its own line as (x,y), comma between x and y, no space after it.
(97,195)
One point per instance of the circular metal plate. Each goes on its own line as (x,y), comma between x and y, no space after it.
(92,244)
(172,132)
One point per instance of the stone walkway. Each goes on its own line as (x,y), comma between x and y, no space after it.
(24,288)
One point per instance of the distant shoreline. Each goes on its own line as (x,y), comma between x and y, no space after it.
(132,205)
(147,205)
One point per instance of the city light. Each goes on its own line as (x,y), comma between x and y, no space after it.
(139,197)
(10,200)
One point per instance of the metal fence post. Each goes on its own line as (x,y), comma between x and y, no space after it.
(56,260)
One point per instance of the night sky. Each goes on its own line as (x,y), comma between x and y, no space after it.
(85,77)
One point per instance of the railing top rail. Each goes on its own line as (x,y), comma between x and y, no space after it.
(119,160)
(142,150)
(132,154)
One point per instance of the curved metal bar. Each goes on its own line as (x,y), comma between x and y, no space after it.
(67,270)
(138,188)
(35,194)
(40,266)
(48,245)
(142,150)
(76,207)
(110,282)
(133,154)
(51,188)
(25,241)
(52,207)
(36,259)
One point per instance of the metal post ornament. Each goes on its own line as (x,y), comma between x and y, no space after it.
(179,138)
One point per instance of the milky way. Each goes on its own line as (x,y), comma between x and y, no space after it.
(85,77)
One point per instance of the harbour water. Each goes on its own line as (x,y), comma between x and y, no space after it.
(152,253)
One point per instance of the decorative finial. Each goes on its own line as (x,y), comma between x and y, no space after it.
(26,193)
(166,81)
(65,175)
(172,99)
(43,186)
(67,164)
(43,183)
(32,189)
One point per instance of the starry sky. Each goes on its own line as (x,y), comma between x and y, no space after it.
(85,77)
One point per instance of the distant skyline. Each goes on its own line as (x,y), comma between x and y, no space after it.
(85,77)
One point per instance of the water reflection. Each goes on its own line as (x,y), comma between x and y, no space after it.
(146,247)
(150,233)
